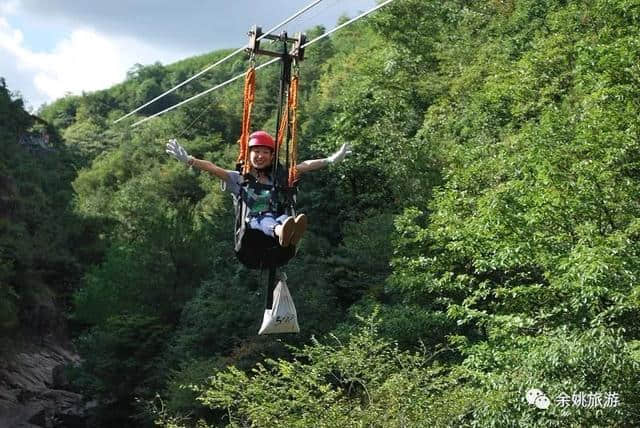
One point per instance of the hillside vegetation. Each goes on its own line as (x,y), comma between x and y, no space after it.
(481,241)
(41,239)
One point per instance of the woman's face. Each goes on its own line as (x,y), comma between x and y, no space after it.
(260,157)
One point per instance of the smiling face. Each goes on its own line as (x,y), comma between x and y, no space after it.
(260,157)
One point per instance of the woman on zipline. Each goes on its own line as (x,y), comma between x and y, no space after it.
(262,147)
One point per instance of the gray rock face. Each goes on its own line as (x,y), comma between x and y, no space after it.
(32,387)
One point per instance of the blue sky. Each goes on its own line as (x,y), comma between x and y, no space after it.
(49,48)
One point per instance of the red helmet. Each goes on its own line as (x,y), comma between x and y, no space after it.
(261,138)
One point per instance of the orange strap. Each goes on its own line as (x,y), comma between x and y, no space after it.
(289,112)
(249,98)
(284,120)
(293,152)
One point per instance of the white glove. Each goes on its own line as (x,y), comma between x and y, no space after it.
(340,154)
(177,151)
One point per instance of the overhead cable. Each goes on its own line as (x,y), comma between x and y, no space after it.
(233,79)
(286,21)
(262,65)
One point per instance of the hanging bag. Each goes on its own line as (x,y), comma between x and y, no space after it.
(282,317)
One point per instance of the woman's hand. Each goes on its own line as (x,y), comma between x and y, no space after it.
(340,154)
(177,151)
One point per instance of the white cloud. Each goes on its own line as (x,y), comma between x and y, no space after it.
(50,48)
(9,7)
(9,38)
(83,61)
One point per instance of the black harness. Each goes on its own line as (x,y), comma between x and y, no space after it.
(253,248)
(281,198)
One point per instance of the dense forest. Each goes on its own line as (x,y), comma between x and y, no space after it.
(481,241)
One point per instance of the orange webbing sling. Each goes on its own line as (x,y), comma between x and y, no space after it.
(289,112)
(293,107)
(249,98)
(282,128)
(289,117)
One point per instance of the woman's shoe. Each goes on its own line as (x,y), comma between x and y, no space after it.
(300,228)
(285,232)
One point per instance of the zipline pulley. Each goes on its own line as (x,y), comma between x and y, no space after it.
(296,52)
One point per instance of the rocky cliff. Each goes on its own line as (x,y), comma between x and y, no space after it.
(34,390)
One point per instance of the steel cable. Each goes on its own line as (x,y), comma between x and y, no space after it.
(233,79)
(200,73)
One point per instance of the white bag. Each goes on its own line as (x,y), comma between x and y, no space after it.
(282,317)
